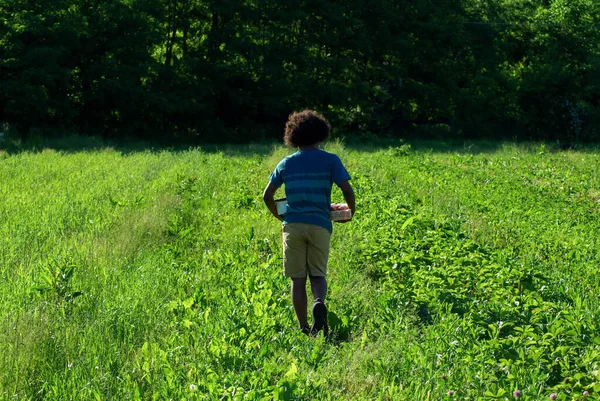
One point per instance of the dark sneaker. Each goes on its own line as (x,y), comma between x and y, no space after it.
(319,317)
(305,330)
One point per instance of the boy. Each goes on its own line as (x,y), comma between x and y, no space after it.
(308,176)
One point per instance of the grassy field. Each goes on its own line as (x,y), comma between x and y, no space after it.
(468,273)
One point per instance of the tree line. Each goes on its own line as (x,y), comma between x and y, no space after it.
(232,70)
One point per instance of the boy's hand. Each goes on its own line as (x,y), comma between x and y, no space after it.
(269,199)
(348,193)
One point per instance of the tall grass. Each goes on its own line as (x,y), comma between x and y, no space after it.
(157,275)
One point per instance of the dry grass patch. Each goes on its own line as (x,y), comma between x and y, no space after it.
(137,229)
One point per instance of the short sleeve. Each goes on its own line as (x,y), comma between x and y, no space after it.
(276,176)
(339,173)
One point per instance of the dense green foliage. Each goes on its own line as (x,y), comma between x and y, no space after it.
(158,276)
(233,70)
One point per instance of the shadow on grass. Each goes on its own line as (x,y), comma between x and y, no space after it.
(472,147)
(77,144)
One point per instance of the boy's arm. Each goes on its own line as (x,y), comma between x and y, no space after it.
(348,193)
(269,198)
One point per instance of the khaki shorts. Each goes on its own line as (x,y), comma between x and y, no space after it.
(305,250)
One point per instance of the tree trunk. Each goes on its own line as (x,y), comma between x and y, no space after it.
(185,37)
(171,32)
(214,28)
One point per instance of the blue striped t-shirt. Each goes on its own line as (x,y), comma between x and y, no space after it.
(308,176)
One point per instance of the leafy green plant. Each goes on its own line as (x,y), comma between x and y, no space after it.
(56,281)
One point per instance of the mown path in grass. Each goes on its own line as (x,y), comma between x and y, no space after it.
(157,275)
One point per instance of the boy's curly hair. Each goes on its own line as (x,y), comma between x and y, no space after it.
(305,128)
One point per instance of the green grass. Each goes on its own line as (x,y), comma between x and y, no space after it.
(157,275)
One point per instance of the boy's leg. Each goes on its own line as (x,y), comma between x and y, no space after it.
(318,285)
(294,266)
(299,300)
(317,258)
